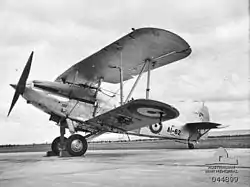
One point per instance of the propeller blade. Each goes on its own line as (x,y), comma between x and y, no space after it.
(22,81)
(14,100)
(20,87)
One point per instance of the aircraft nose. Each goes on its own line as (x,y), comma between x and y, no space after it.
(13,86)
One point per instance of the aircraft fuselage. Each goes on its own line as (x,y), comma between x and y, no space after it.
(166,130)
(42,99)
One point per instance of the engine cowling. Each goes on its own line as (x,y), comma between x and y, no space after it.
(82,93)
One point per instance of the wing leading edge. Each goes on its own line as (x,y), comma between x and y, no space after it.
(160,46)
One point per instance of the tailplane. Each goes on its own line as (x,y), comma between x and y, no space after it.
(200,128)
(203,114)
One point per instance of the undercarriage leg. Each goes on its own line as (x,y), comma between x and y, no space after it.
(62,142)
(58,144)
(190,145)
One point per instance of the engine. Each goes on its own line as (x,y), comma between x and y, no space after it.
(83,93)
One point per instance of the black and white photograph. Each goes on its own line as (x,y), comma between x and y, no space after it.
(124,93)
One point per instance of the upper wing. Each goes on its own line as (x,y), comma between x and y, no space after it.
(160,46)
(133,115)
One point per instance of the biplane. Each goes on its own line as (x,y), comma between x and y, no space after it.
(138,52)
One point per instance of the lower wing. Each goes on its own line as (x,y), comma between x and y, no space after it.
(132,115)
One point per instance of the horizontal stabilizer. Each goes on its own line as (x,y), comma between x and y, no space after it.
(204,125)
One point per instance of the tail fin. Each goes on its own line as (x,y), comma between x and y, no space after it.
(203,113)
(200,128)
(203,116)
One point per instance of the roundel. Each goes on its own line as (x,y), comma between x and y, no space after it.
(149,111)
(155,128)
(152,110)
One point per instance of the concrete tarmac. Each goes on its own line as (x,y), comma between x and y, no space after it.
(119,168)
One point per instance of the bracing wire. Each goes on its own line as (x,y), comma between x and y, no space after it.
(115,93)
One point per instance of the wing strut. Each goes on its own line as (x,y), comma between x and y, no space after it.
(121,78)
(150,62)
(136,82)
(148,79)
(95,96)
(121,73)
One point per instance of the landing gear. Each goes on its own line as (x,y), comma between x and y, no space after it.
(56,145)
(76,145)
(190,145)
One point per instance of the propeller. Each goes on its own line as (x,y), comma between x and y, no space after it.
(20,87)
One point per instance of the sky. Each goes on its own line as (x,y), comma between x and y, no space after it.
(61,33)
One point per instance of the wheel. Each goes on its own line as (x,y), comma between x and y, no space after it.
(55,146)
(190,145)
(76,145)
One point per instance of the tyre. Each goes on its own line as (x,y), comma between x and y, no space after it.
(76,145)
(55,146)
(190,145)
